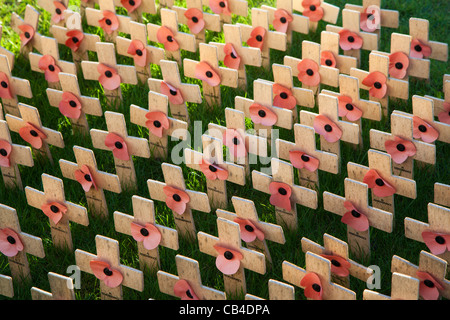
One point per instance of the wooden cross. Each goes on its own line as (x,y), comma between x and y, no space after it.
(439,103)
(70,95)
(403,287)
(166,4)
(329,42)
(17,259)
(171,79)
(236,7)
(169,24)
(108,253)
(136,13)
(330,13)
(138,34)
(31,38)
(144,220)
(164,191)
(6,286)
(278,185)
(61,288)
(322,268)
(176,129)
(277,291)
(229,241)
(213,156)
(86,4)
(52,202)
(17,155)
(249,56)
(106,53)
(246,216)
(419,29)
(29,124)
(86,163)
(441,192)
(55,9)
(9,55)
(188,271)
(311,56)
(209,59)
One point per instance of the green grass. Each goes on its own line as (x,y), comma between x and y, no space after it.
(312,223)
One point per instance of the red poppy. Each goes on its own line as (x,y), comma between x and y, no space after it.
(312,10)
(213,171)
(249,231)
(51,70)
(204,72)
(348,109)
(109,23)
(139,52)
(379,186)
(10,243)
(281,20)
(148,234)
(400,149)
(195,20)
(235,142)
(256,39)
(5,153)
(339,265)
(175,96)
(109,78)
(444,116)
(176,199)
(354,218)
(377,83)
(228,260)
(31,134)
(280,195)
(167,38)
(262,115)
(54,211)
(370,19)
(5,88)
(327,128)
(232,59)
(74,39)
(130,5)
(313,286)
(423,130)
(283,97)
(157,122)
(429,287)
(183,290)
(111,277)
(58,16)
(220,6)
(437,242)
(70,106)
(349,40)
(117,145)
(85,178)
(419,49)
(398,65)
(27,33)
(302,160)
(328,59)
(308,72)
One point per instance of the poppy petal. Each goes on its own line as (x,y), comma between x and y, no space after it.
(149,235)
(204,72)
(308,72)
(312,10)
(51,70)
(109,78)
(249,232)
(139,52)
(10,243)
(262,115)
(280,195)
(356,220)
(109,23)
(220,7)
(339,265)
(398,65)
(59,12)
(117,145)
(232,59)
(423,130)
(302,160)
(32,135)
(183,290)
(5,88)
(419,49)
(281,20)
(54,211)
(85,178)
(328,59)
(157,122)
(256,39)
(5,153)
(130,5)
(112,278)
(70,106)
(444,116)
(327,128)
(228,261)
(438,243)
(313,286)
(234,141)
(400,149)
(27,33)
(349,40)
(176,199)
(377,83)
(283,97)
(172,93)
(212,171)
(167,38)
(379,186)
(74,39)
(195,20)
(428,287)
(348,109)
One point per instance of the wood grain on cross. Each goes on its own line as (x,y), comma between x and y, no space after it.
(442,105)
(330,13)
(61,288)
(3,51)
(108,252)
(95,195)
(329,43)
(277,291)
(237,8)
(124,147)
(137,11)
(29,23)
(229,241)
(419,29)
(6,286)
(441,192)
(188,271)
(56,9)
(61,213)
(143,216)
(403,287)
(32,245)
(86,4)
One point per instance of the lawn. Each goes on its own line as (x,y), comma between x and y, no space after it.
(312,223)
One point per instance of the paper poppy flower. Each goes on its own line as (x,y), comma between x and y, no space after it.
(31,134)
(5,88)
(349,40)
(58,16)
(419,49)
(149,235)
(204,72)
(313,286)
(51,70)
(212,171)
(437,242)
(176,199)
(183,290)
(400,149)
(26,34)
(70,106)
(54,211)
(327,128)
(398,65)
(109,23)
(281,20)
(235,142)
(308,72)
(256,39)
(220,6)
(175,96)
(262,115)
(249,231)
(444,116)
(339,265)
(379,186)
(280,195)
(283,97)
(348,109)
(74,39)
(328,59)
(195,21)
(429,287)
(167,38)
(157,122)
(117,145)
(85,178)
(130,5)
(10,243)
(232,59)
(228,260)
(377,83)
(370,19)
(109,78)
(138,51)
(302,160)
(5,153)
(354,218)
(423,130)
(111,277)
(312,10)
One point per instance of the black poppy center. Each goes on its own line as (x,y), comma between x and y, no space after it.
(261,113)
(75,39)
(259,38)
(328,62)
(11,239)
(108,22)
(401,147)
(222,4)
(33,133)
(3,152)
(27,35)
(429,283)
(173,92)
(169,38)
(144,232)
(304,158)
(249,228)
(4,84)
(228,255)
(139,52)
(283,20)
(87,178)
(118,145)
(72,103)
(356,214)
(189,294)
(209,74)
(54,209)
(108,74)
(283,95)
(377,85)
(157,124)
(131,2)
(335,263)
(235,141)
(309,72)
(51,68)
(176,197)
(399,65)
(328,128)
(312,8)
(349,106)
(107,272)
(194,19)
(282,191)
(418,48)
(212,168)
(351,39)
(316,287)
(422,128)
(379,182)
(440,239)
(58,11)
